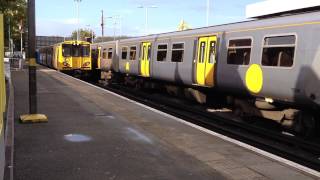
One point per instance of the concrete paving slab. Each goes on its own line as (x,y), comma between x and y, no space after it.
(121,140)
(84,141)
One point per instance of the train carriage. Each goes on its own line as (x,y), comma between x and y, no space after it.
(67,56)
(273,62)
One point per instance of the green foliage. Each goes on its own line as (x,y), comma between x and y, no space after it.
(15,13)
(83,34)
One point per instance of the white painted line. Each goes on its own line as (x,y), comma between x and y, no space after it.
(241,144)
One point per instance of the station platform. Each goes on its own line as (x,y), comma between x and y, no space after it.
(95,134)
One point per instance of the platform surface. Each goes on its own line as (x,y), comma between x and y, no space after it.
(92,134)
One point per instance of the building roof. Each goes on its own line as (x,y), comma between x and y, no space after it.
(277,7)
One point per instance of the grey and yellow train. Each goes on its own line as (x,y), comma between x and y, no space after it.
(267,67)
(67,56)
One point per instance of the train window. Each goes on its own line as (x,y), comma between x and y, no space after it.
(149,52)
(110,53)
(104,54)
(75,50)
(133,53)
(278,51)
(239,51)
(66,50)
(202,52)
(124,53)
(177,52)
(212,52)
(162,52)
(85,50)
(143,50)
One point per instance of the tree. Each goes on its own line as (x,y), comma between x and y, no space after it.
(15,13)
(83,34)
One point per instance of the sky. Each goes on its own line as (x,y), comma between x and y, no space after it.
(59,17)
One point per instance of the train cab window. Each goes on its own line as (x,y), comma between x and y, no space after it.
(177,52)
(110,53)
(133,53)
(85,50)
(239,51)
(278,51)
(104,54)
(66,50)
(162,52)
(75,50)
(124,53)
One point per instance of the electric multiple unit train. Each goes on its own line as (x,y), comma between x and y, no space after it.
(67,56)
(267,67)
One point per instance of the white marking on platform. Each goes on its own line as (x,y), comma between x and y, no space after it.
(77,138)
(136,135)
(241,144)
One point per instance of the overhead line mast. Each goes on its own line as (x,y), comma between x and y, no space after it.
(102,23)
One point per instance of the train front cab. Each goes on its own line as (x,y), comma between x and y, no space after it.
(85,56)
(62,57)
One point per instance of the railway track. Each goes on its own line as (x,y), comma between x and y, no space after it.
(293,148)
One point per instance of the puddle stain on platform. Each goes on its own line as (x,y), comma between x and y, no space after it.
(77,138)
(136,135)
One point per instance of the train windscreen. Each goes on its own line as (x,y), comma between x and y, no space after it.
(66,50)
(85,50)
(76,50)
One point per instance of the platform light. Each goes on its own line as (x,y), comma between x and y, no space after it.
(115,19)
(208,12)
(146,16)
(77,9)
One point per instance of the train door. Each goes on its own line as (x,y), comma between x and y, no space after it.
(206,61)
(145,59)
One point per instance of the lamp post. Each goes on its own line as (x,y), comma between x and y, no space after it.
(208,11)
(91,30)
(77,9)
(32,117)
(114,23)
(146,16)
(21,31)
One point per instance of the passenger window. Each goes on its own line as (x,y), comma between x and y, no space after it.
(133,53)
(162,52)
(278,51)
(110,53)
(239,51)
(177,52)
(104,54)
(124,53)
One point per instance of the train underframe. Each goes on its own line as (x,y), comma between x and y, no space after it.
(297,120)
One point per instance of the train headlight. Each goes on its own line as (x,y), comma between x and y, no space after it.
(66,64)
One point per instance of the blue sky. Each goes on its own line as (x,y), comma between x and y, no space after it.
(58,17)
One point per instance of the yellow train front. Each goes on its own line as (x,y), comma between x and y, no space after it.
(67,56)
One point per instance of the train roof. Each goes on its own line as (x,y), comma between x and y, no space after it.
(233,27)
